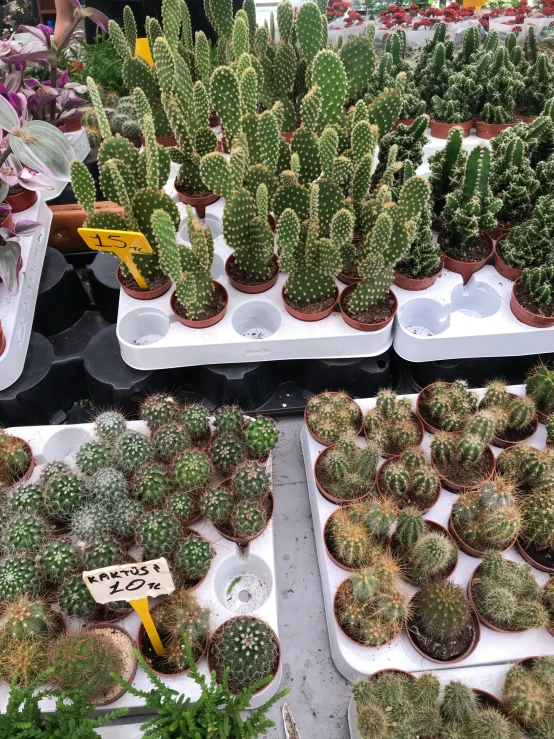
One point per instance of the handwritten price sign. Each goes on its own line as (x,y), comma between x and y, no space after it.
(122,243)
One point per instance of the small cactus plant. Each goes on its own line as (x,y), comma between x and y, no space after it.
(217,504)
(51,469)
(251,480)
(132,450)
(182,506)
(514,414)
(152,484)
(125,516)
(102,553)
(109,425)
(27,496)
(227,452)
(158,533)
(192,470)
(537,525)
(448,407)
(260,436)
(20,575)
(527,694)
(22,663)
(92,522)
(15,458)
(392,424)
(329,414)
(58,559)
(30,619)
(464,715)
(248,519)
(92,456)
(170,439)
(159,409)
(75,599)
(540,386)
(192,558)
(24,533)
(195,419)
(182,614)
(410,480)
(462,458)
(108,486)
(350,470)
(64,493)
(523,465)
(425,554)
(350,541)
(229,419)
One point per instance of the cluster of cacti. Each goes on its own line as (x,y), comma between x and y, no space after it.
(122,118)
(537,285)
(513,180)
(369,606)
(514,414)
(410,480)
(529,244)
(524,465)
(502,85)
(408,143)
(15,458)
(425,554)
(465,715)
(392,424)
(330,414)
(538,85)
(528,694)
(459,101)
(350,469)
(355,534)
(461,457)
(436,73)
(394,705)
(424,257)
(448,407)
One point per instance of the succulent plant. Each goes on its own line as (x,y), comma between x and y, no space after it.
(260,436)
(522,464)
(410,480)
(407,141)
(152,485)
(23,661)
(91,522)
(529,244)
(351,541)
(229,419)
(192,470)
(248,647)
(248,518)
(513,413)
(502,85)
(14,457)
(192,558)
(75,599)
(424,258)
(108,486)
(426,555)
(30,619)
(195,419)
(527,693)
(25,532)
(250,480)
(20,575)
(351,469)
(392,424)
(109,425)
(125,516)
(170,439)
(217,504)
(449,406)
(540,386)
(27,496)
(92,456)
(58,559)
(513,181)
(158,533)
(102,553)
(329,414)
(463,715)
(227,452)
(548,599)
(182,507)
(132,449)
(461,457)
(182,614)
(159,409)
(52,469)
(537,525)
(443,610)
(447,170)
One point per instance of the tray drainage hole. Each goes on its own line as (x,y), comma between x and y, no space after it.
(243,586)
(244,596)
(143,326)
(256,320)
(215,224)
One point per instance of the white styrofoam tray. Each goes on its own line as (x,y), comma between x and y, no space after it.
(255,327)
(257,559)
(354,661)
(17,310)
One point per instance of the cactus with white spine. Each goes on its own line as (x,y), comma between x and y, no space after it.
(392,423)
(351,468)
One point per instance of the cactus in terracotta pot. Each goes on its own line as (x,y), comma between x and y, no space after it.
(410,480)
(529,244)
(426,554)
(462,458)
(192,558)
(513,180)
(502,85)
(464,715)
(448,407)
(392,423)
(14,457)
(351,469)
(329,414)
(540,386)
(182,614)
(527,692)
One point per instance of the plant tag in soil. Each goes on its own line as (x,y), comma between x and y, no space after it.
(122,243)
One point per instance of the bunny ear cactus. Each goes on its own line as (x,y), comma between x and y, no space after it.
(358,58)
(226,99)
(308,30)
(329,75)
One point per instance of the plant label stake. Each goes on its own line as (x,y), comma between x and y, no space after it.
(143,49)
(122,243)
(133,583)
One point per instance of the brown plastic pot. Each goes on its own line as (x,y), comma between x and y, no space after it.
(22,200)
(348,279)
(72,124)
(350,639)
(272,222)
(505,443)
(8,221)
(470,649)
(242,541)
(528,118)
(528,558)
(467,269)
(128,678)
(162,140)
(417,419)
(199,204)
(384,493)
(550,627)
(414,283)
(498,232)
(309,317)
(2,340)
(359,325)
(490,130)
(437,528)
(403,121)
(319,440)
(252,289)
(287,135)
(481,618)
(456,487)
(526,316)
(510,273)
(143,294)
(207,322)
(393,670)
(467,548)
(215,120)
(140,634)
(323,491)
(441,130)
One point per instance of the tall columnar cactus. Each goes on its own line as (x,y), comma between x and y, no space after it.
(459,100)
(502,86)
(513,181)
(529,244)
(409,142)
(447,169)
(538,84)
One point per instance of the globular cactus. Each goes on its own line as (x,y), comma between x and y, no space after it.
(487,519)
(217,504)
(248,647)
(20,575)
(537,525)
(92,456)
(351,469)
(527,692)
(522,464)
(227,452)
(51,469)
(64,493)
(443,610)
(159,409)
(22,663)
(30,619)
(511,413)
(132,449)
(260,436)
(329,414)
(125,515)
(158,532)
(181,614)
(108,486)
(432,556)
(91,522)
(195,419)
(392,422)
(170,439)
(248,519)
(192,558)
(27,496)
(75,599)
(192,470)
(14,458)
(380,517)
(24,533)
(58,559)
(459,703)
(540,386)
(229,419)
(449,406)
(251,480)
(103,553)
(350,541)
(152,484)
(109,425)
(182,507)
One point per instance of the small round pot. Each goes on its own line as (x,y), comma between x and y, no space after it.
(72,124)
(526,316)
(162,140)
(491,701)
(467,548)
(510,273)
(199,204)
(242,541)
(331,498)
(128,678)
(490,130)
(413,283)
(417,419)
(441,130)
(319,440)
(287,135)
(437,528)
(544,415)
(498,232)
(528,558)
(252,289)
(143,294)
(359,325)
(140,633)
(22,200)
(350,639)
(214,121)
(467,269)
(428,427)
(403,121)
(455,487)
(348,279)
(481,618)
(329,554)
(206,323)
(470,649)
(8,221)
(384,493)
(2,340)
(102,616)
(309,317)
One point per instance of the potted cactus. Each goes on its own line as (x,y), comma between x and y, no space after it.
(548,602)
(392,424)
(536,539)
(180,614)
(344,472)
(525,466)
(424,549)
(516,419)
(445,406)
(259,652)
(75,601)
(465,460)
(540,386)
(527,691)
(192,559)
(487,519)
(442,625)
(532,299)
(195,419)
(328,415)
(501,87)
(456,106)
(473,712)
(407,143)
(409,480)
(447,170)
(506,595)
(198,301)
(16,459)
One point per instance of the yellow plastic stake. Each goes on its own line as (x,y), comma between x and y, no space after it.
(141,607)
(143,49)
(122,243)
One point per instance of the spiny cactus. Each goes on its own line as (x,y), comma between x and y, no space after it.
(125,515)
(248,647)
(248,519)
(424,258)
(537,526)
(51,469)
(108,486)
(22,663)
(152,484)
(351,469)
(24,533)
(158,532)
(229,419)
(182,614)
(30,619)
(527,693)
(251,480)
(103,553)
(159,409)
(75,599)
(227,452)
(515,183)
(502,84)
(64,493)
(380,516)
(27,496)
(447,170)
(109,425)
(192,470)
(14,458)
(513,415)
(392,423)
(329,414)
(529,244)
(443,610)
(91,522)
(182,506)
(132,449)
(193,558)
(349,539)
(537,285)
(406,142)
(260,436)
(170,439)
(427,555)
(410,479)
(540,386)
(464,715)
(461,458)
(459,100)
(58,559)
(195,419)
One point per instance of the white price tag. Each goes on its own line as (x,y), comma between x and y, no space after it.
(130,582)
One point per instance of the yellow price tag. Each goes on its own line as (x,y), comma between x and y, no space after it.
(143,49)
(141,607)
(122,243)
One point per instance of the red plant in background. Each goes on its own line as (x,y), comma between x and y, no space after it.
(337,9)
(423,23)
(353,19)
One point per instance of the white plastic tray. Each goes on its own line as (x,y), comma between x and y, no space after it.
(58,442)
(255,327)
(17,310)
(354,661)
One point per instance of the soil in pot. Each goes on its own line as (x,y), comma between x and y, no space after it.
(420,282)
(442,650)
(466,475)
(545,310)
(377,313)
(237,274)
(542,556)
(325,481)
(214,307)
(480,249)
(311,308)
(162,664)
(350,269)
(154,283)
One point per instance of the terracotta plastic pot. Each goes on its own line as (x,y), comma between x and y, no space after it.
(456,487)
(510,273)
(526,316)
(272,222)
(214,120)
(466,269)
(481,618)
(417,419)
(441,130)
(467,548)
(436,528)
(348,279)
(162,140)
(383,492)
(413,283)
(528,558)
(528,118)
(22,200)
(470,649)
(199,204)
(309,317)
(403,121)
(323,491)
(359,325)
(357,431)
(128,678)
(72,124)
(252,289)
(244,540)
(357,643)
(140,634)
(497,233)
(143,294)
(8,221)
(2,340)
(490,130)
(207,322)
(491,700)
(543,415)
(287,135)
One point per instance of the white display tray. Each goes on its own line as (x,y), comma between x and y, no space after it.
(59,442)
(255,327)
(355,661)
(17,310)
